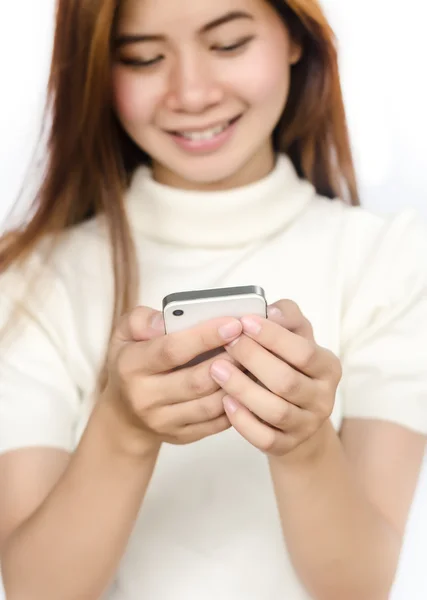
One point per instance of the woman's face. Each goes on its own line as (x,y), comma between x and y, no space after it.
(200,86)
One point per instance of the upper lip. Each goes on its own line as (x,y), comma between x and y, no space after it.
(198,128)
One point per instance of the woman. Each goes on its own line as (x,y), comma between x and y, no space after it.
(200,145)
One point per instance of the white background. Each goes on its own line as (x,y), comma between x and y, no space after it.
(384,80)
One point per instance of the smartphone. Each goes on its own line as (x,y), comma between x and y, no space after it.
(187,309)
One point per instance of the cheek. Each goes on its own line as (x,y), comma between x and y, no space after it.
(131,101)
(265,78)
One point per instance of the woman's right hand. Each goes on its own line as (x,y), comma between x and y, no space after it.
(152,388)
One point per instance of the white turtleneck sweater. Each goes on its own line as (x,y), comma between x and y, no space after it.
(209,527)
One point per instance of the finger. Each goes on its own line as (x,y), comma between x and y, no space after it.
(163,354)
(174,416)
(200,431)
(287,314)
(265,438)
(205,357)
(301,353)
(138,324)
(142,323)
(261,402)
(276,375)
(184,384)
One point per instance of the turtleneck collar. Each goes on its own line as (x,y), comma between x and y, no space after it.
(218,219)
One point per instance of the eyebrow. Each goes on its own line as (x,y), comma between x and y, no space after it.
(126,39)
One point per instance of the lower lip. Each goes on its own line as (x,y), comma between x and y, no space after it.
(205,146)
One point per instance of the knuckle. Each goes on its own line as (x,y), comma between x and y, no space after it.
(219,425)
(267,442)
(279,386)
(312,427)
(157,423)
(336,370)
(327,407)
(137,397)
(292,442)
(323,403)
(136,320)
(195,434)
(188,436)
(281,417)
(211,408)
(133,319)
(200,383)
(308,355)
(330,403)
(289,307)
(182,439)
(292,385)
(174,436)
(171,351)
(279,451)
(134,390)
(286,303)
(291,304)
(308,325)
(209,429)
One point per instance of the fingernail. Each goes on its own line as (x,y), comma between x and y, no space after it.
(230,405)
(220,373)
(250,325)
(273,311)
(157,322)
(229,331)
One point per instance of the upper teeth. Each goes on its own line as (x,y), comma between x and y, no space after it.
(198,136)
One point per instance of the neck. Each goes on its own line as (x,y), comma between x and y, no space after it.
(217,218)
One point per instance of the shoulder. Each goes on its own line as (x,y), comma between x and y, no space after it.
(361,223)
(85,247)
(366,241)
(376,263)
(59,273)
(392,249)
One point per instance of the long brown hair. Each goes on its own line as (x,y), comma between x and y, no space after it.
(90,159)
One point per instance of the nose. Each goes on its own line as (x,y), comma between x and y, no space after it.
(193,87)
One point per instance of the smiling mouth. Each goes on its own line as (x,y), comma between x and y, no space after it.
(206,134)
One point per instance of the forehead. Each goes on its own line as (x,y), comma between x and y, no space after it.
(180,14)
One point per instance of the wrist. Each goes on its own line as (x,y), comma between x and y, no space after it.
(311,451)
(125,436)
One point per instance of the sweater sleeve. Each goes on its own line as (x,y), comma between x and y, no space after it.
(384,351)
(39,400)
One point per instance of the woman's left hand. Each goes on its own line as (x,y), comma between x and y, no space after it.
(297,381)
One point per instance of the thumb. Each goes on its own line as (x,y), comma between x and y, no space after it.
(142,323)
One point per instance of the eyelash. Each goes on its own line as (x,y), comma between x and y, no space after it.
(134,62)
(240,44)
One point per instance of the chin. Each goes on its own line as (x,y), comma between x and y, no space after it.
(208,171)
(206,175)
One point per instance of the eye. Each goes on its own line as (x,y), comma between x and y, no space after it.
(139,63)
(236,46)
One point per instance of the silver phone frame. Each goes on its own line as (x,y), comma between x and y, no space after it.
(213,293)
